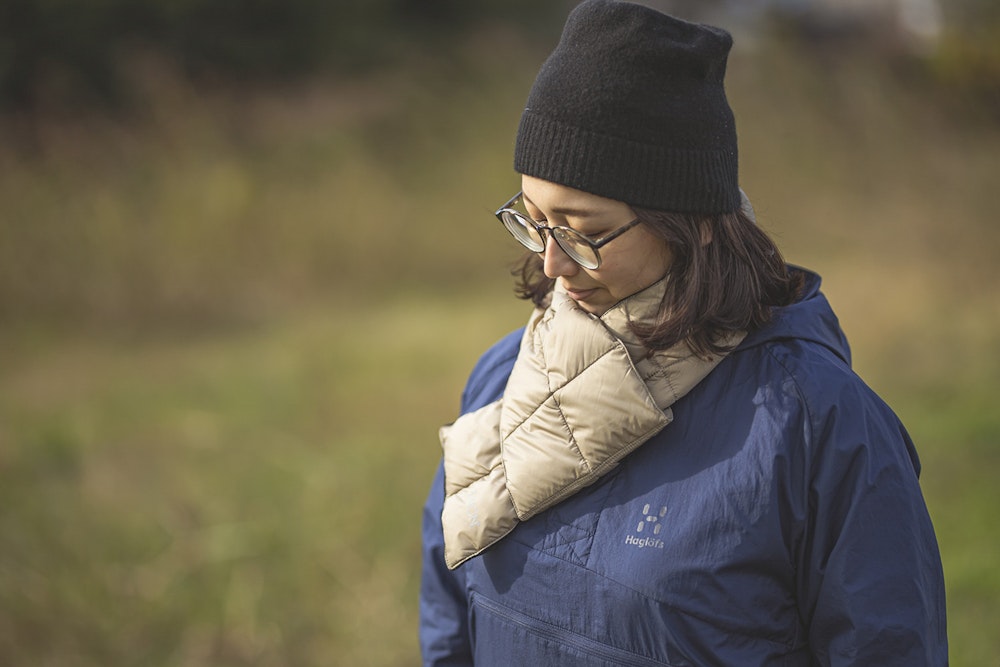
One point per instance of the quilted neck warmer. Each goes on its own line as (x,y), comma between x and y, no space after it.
(582,395)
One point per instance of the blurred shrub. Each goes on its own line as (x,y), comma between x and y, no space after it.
(971,66)
(968,58)
(74,50)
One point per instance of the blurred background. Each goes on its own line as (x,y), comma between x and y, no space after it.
(247,259)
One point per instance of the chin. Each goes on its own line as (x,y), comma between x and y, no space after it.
(593,309)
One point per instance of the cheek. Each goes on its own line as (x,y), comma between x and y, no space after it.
(664,258)
(652,262)
(636,271)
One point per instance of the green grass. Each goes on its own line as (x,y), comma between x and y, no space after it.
(231,330)
(957,429)
(253,498)
(230,500)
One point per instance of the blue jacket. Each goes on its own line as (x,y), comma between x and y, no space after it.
(777,521)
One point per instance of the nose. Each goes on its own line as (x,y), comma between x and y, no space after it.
(556,263)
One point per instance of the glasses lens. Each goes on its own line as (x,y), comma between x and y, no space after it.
(523,230)
(577,247)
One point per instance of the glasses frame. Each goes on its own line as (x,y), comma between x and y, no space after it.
(545,231)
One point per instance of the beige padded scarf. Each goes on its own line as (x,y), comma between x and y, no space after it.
(583,394)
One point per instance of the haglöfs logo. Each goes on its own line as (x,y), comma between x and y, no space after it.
(648,528)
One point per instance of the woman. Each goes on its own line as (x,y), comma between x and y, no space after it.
(672,463)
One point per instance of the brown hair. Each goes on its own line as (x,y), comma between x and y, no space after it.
(727,275)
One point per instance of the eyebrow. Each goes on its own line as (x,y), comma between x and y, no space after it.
(566,210)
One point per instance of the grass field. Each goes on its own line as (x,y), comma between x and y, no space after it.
(231,329)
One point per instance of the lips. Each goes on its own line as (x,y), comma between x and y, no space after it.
(580,294)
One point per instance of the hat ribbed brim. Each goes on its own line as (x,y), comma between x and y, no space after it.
(651,176)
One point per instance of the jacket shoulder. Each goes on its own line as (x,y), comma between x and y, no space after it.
(838,401)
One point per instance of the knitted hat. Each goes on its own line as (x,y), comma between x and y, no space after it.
(630,105)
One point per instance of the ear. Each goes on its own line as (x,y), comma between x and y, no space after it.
(747,207)
(706,232)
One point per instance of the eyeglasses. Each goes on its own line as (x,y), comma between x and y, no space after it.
(531,235)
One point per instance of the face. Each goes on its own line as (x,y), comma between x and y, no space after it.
(630,263)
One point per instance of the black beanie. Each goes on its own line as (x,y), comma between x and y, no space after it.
(630,105)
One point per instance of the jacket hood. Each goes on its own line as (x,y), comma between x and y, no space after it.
(811,318)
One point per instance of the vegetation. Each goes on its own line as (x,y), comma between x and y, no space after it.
(232,323)
(72,52)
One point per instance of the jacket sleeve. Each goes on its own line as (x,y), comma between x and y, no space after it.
(871,587)
(444,631)
(444,636)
